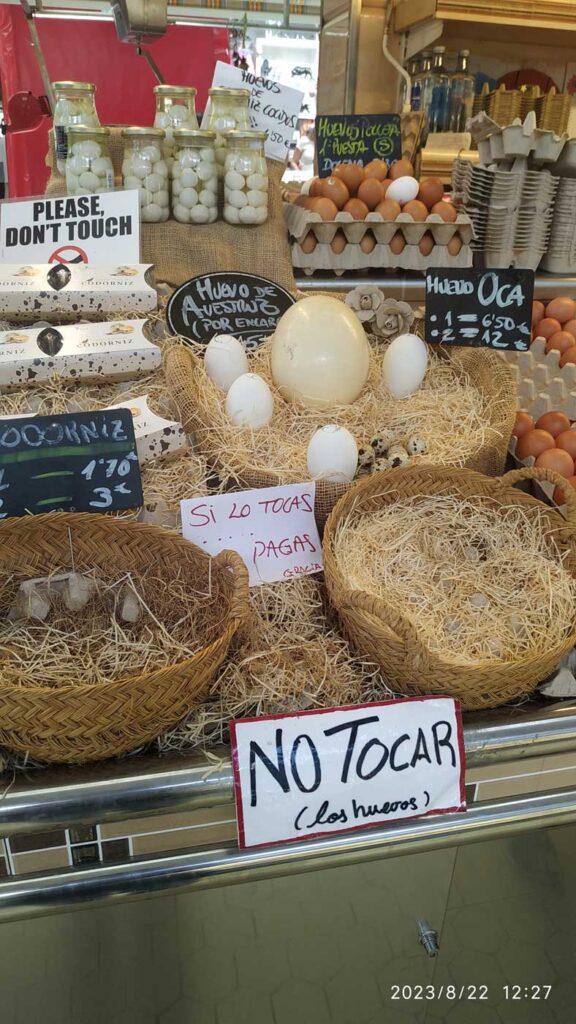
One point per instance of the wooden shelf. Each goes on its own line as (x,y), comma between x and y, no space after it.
(554,20)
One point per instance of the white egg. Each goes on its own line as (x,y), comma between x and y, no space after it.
(249,402)
(260,182)
(188,177)
(248,215)
(405,364)
(188,197)
(205,170)
(154,182)
(207,197)
(161,198)
(77,164)
(101,166)
(332,454)
(176,188)
(86,148)
(160,167)
(403,189)
(152,213)
(232,215)
(89,181)
(234,180)
(151,153)
(257,198)
(236,198)
(187,159)
(141,167)
(181,213)
(200,214)
(145,196)
(131,182)
(225,360)
(71,181)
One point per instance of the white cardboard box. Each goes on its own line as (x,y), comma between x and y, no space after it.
(77,289)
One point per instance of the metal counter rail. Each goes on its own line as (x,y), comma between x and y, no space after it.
(141,786)
(78,889)
(411,286)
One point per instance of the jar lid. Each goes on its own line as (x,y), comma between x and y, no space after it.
(174,90)
(193,135)
(245,135)
(85,129)
(74,86)
(223,90)
(135,131)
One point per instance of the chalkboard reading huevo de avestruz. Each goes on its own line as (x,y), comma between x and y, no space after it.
(357,139)
(480,308)
(75,462)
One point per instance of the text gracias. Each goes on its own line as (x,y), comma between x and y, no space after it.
(362,759)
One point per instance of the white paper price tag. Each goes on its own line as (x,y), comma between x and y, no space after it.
(306,775)
(272,528)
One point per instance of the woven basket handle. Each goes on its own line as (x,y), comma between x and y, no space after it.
(416,652)
(231,560)
(516,476)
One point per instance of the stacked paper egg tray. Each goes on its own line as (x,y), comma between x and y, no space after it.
(518,140)
(560,257)
(300,222)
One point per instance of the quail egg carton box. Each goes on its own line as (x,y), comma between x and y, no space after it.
(300,221)
(67,291)
(352,258)
(112,351)
(156,438)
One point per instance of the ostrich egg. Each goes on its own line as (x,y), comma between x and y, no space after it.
(320,354)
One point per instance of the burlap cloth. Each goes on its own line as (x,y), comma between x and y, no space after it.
(181,251)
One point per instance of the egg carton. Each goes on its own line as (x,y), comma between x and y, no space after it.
(300,221)
(520,139)
(352,258)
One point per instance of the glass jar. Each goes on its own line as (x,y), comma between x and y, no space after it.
(88,164)
(245,178)
(74,104)
(229,109)
(144,168)
(175,108)
(194,177)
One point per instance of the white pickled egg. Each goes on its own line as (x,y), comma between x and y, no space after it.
(236,198)
(188,197)
(179,112)
(176,169)
(87,148)
(249,402)
(225,360)
(159,166)
(405,363)
(234,180)
(152,212)
(161,197)
(205,170)
(131,182)
(207,154)
(248,215)
(151,152)
(154,182)
(71,181)
(145,196)
(188,177)
(200,214)
(332,454)
(260,182)
(181,213)
(141,167)
(176,188)
(256,197)
(89,180)
(231,214)
(101,166)
(77,164)
(207,197)
(403,189)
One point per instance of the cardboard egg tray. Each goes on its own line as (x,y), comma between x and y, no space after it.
(352,258)
(518,140)
(560,257)
(300,221)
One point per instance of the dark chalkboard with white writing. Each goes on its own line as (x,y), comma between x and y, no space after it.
(356,139)
(480,308)
(76,462)
(243,305)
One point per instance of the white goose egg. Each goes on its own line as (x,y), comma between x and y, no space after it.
(249,402)
(405,363)
(332,454)
(225,360)
(403,189)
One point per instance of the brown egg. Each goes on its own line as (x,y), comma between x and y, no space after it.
(559,494)
(547,327)
(560,341)
(325,208)
(454,245)
(308,243)
(558,460)
(426,244)
(305,202)
(562,309)
(357,209)
(567,442)
(334,189)
(376,169)
(537,311)
(431,191)
(569,356)
(445,210)
(338,243)
(533,442)
(371,193)
(316,187)
(397,243)
(386,185)
(553,422)
(351,174)
(416,210)
(399,168)
(388,209)
(368,243)
(522,424)
(570,326)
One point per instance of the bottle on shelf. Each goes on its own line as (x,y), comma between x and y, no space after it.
(412,71)
(422,89)
(461,94)
(439,107)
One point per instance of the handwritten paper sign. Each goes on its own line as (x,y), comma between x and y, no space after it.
(357,139)
(72,229)
(307,775)
(246,306)
(274,108)
(75,462)
(272,528)
(480,308)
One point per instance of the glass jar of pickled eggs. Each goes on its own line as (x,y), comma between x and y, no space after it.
(175,108)
(194,177)
(228,110)
(144,168)
(88,164)
(74,104)
(245,178)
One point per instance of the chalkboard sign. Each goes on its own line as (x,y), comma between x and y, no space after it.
(77,462)
(243,305)
(480,308)
(356,139)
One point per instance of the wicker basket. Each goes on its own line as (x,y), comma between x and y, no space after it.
(377,629)
(488,372)
(89,722)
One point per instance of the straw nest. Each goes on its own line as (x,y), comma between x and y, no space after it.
(451,412)
(480,581)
